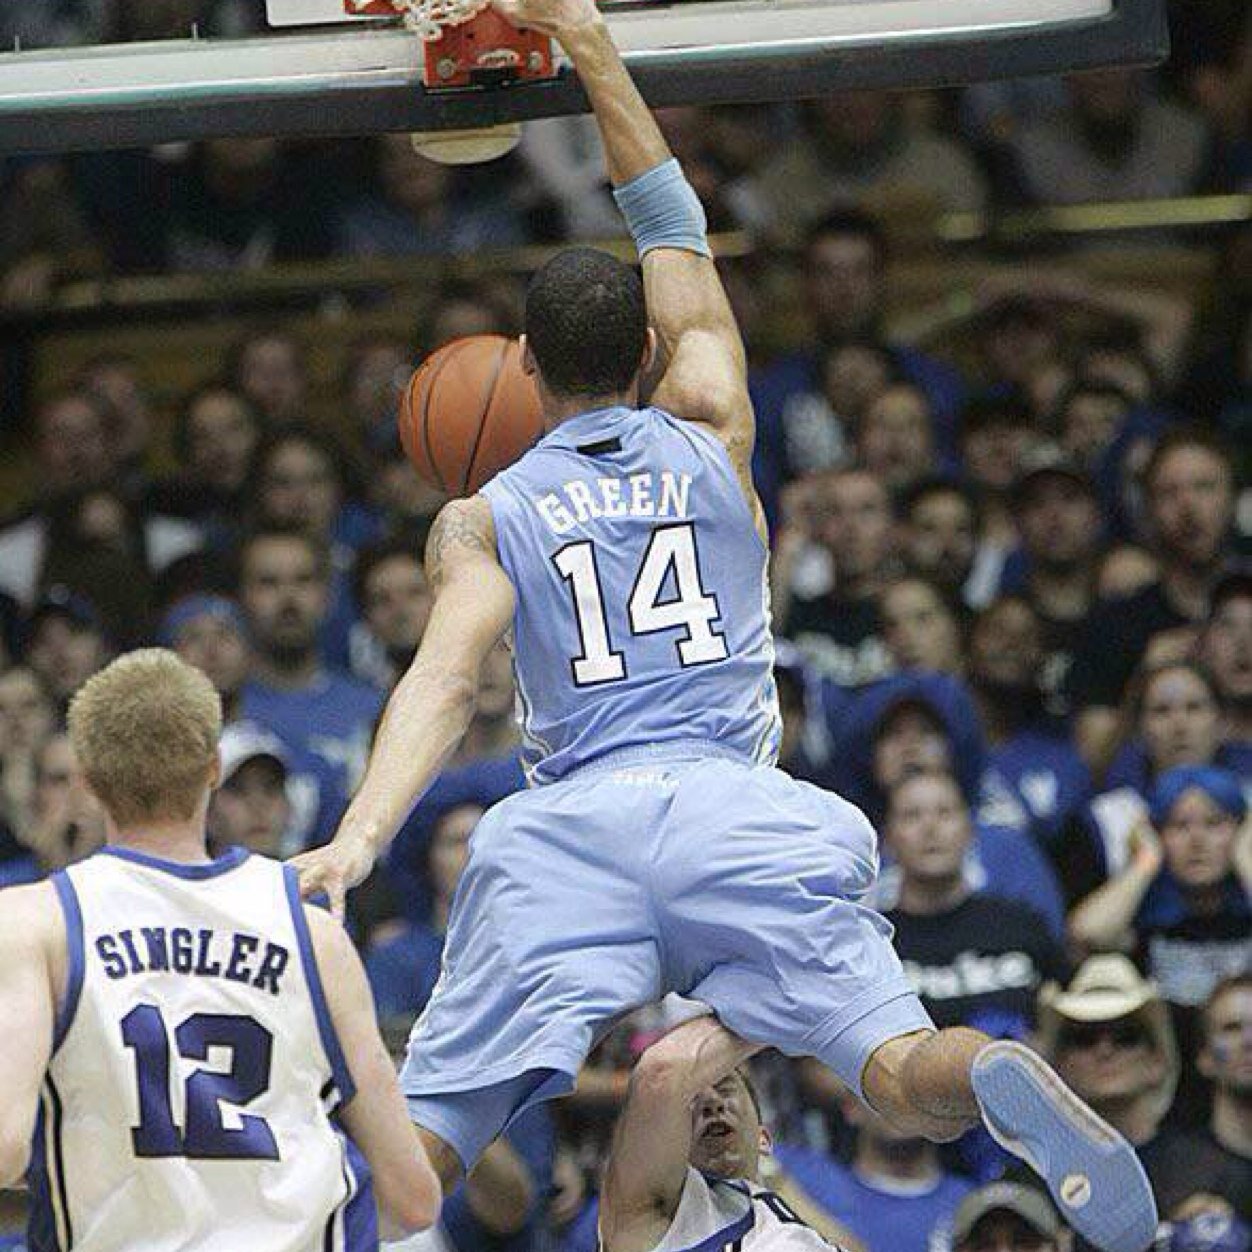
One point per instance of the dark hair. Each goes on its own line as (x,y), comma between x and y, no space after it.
(1186,436)
(993,411)
(587,323)
(848,222)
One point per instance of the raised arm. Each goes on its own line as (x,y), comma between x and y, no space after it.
(705,378)
(432,705)
(648,1162)
(30,930)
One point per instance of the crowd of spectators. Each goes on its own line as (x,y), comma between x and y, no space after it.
(1011,588)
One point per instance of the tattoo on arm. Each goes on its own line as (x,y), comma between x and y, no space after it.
(462,525)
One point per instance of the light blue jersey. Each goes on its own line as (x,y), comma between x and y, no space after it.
(642,617)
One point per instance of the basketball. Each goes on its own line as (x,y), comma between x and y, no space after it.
(469,411)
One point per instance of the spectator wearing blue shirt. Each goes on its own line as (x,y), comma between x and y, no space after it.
(893,1193)
(208,631)
(1033,777)
(284,587)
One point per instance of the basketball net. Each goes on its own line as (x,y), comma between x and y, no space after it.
(427,19)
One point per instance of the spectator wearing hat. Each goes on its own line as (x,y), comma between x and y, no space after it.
(1216,1159)
(250,808)
(66,643)
(1183,902)
(1033,778)
(1189,503)
(1008,1217)
(1058,518)
(974,958)
(1108,1034)
(1226,650)
(208,631)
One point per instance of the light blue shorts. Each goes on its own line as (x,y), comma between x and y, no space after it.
(727,882)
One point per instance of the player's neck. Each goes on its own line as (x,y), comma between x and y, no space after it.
(558,409)
(181,841)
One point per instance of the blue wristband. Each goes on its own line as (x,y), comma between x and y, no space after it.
(662,211)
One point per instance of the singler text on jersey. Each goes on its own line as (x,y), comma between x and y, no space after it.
(201,953)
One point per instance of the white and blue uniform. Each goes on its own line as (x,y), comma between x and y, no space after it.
(189,1103)
(660,850)
(722,1215)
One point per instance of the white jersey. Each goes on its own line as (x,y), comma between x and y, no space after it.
(719,1215)
(188,1104)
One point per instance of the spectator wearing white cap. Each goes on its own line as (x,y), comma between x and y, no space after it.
(1109,1035)
(251,807)
(1008,1217)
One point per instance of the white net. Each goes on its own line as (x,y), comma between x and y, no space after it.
(428,18)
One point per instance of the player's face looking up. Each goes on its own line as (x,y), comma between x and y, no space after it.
(726,1134)
(284,594)
(928,828)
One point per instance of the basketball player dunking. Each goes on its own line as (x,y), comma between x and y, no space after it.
(175,1027)
(659,850)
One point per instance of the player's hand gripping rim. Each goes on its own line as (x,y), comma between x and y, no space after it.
(333,870)
(555,18)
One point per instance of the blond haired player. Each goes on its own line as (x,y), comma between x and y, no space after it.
(183,1038)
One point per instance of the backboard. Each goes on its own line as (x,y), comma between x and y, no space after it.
(321,71)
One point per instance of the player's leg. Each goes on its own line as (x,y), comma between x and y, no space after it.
(765,898)
(550,937)
(921,1082)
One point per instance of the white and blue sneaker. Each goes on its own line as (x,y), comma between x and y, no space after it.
(1091,1170)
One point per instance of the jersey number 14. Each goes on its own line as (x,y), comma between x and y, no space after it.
(671,550)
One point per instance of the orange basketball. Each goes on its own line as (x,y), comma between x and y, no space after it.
(469,411)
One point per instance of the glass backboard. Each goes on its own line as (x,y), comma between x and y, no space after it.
(319,70)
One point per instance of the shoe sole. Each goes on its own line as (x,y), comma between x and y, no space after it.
(1093,1174)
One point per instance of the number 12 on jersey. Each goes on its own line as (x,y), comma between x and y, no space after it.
(671,550)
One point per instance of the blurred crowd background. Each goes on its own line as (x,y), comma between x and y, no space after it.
(1001,347)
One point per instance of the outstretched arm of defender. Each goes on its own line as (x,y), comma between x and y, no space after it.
(430,709)
(705,378)
(27,1005)
(648,1162)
